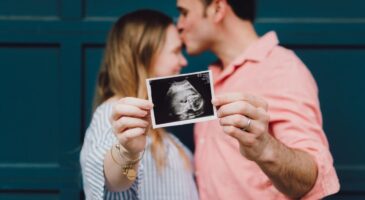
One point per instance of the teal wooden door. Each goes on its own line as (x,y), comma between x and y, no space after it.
(50,52)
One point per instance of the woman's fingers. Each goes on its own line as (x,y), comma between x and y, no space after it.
(140,103)
(124,123)
(132,133)
(120,110)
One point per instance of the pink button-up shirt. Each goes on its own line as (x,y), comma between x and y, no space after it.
(278,75)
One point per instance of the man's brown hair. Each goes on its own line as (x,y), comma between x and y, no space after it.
(244,9)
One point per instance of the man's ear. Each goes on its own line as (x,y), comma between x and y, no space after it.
(220,10)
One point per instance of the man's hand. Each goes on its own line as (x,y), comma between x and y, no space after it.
(245,118)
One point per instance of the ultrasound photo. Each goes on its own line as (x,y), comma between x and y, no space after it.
(181,99)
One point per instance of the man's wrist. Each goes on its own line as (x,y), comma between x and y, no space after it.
(268,154)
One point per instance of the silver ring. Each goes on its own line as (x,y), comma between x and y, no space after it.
(247,126)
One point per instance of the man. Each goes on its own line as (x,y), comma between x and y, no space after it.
(282,151)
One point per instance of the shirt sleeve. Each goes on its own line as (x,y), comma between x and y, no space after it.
(296,121)
(98,140)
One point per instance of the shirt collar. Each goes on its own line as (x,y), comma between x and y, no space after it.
(257,52)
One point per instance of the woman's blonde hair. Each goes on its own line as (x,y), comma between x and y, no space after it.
(132,45)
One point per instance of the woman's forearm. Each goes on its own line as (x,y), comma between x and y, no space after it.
(116,178)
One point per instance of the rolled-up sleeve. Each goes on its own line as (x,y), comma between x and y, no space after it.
(296,121)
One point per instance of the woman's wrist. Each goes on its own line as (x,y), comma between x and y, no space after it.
(127,164)
(127,155)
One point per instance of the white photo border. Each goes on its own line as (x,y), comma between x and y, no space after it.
(189,121)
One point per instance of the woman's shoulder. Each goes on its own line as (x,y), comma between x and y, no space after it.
(104,110)
(104,107)
(100,120)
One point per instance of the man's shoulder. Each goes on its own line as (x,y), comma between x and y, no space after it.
(282,57)
(283,53)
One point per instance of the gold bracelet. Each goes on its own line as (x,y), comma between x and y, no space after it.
(117,146)
(127,169)
(111,153)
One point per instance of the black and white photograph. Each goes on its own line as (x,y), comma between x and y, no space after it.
(181,99)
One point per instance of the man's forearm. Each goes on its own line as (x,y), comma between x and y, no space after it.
(292,171)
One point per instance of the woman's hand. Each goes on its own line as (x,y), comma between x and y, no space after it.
(130,122)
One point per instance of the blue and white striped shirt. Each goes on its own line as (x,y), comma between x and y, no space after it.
(175,182)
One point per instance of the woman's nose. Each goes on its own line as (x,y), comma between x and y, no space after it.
(183,61)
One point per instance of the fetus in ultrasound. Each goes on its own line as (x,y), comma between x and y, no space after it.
(184,101)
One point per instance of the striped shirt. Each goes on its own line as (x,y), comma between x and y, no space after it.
(175,182)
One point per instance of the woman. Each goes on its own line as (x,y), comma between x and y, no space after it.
(135,162)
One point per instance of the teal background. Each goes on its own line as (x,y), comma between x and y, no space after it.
(50,51)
